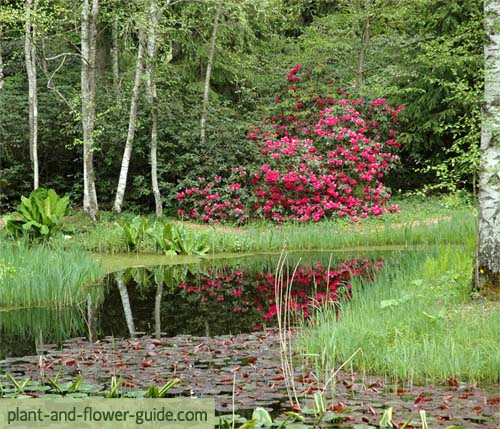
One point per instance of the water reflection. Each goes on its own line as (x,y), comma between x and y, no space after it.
(209,298)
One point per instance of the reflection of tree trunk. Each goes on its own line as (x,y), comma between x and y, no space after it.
(153,101)
(159,291)
(92,308)
(127,310)
(365,41)
(122,182)
(30,59)
(88,84)
(489,174)
(211,52)
(39,344)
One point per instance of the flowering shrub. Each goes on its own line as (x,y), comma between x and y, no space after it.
(255,292)
(324,155)
(220,200)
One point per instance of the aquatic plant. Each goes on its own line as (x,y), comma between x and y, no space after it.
(174,239)
(39,215)
(417,323)
(45,277)
(133,231)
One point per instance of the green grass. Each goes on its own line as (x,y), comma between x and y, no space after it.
(411,227)
(39,276)
(459,229)
(417,323)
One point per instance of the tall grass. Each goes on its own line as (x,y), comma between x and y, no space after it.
(417,323)
(333,235)
(44,277)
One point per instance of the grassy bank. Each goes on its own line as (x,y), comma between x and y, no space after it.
(429,221)
(417,323)
(39,276)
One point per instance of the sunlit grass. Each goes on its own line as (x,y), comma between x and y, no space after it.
(422,221)
(417,323)
(39,276)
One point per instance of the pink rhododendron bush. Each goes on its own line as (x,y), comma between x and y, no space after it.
(323,154)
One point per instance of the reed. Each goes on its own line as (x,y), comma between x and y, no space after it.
(44,277)
(417,323)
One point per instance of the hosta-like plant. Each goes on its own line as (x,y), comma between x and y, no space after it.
(39,215)
(174,239)
(133,232)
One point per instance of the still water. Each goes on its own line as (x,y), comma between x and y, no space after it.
(206,298)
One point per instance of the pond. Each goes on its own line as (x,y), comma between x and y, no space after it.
(210,324)
(207,297)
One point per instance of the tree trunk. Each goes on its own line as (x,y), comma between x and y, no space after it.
(365,42)
(211,52)
(153,101)
(1,58)
(115,56)
(489,174)
(88,50)
(30,59)
(122,182)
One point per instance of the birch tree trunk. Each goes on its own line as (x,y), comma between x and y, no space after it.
(115,55)
(30,60)
(211,53)
(153,101)
(489,174)
(88,84)
(122,182)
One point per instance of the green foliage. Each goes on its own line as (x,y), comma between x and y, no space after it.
(39,215)
(133,231)
(174,239)
(43,277)
(155,392)
(441,83)
(426,55)
(422,326)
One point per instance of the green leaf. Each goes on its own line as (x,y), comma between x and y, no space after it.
(296,416)
(386,420)
(262,417)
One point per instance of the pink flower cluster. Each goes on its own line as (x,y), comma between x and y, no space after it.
(218,201)
(312,285)
(324,157)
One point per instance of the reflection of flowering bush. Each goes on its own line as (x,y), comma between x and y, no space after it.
(324,155)
(311,285)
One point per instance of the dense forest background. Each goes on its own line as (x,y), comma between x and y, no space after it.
(424,54)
